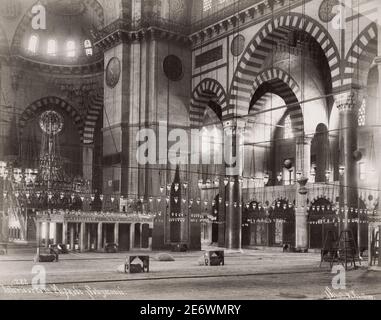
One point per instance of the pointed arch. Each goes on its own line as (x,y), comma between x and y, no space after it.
(275,74)
(278,82)
(253,59)
(355,55)
(206,91)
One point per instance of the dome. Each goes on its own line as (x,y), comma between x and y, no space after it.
(68,37)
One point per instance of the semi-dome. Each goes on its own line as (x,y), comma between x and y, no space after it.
(68,37)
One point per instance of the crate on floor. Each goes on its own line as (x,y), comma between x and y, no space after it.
(179,247)
(214,258)
(136,264)
(46,255)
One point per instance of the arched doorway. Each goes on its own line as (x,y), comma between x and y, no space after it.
(360,218)
(215,214)
(320,157)
(322,219)
(256,233)
(282,226)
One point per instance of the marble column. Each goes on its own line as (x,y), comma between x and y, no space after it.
(87,156)
(150,238)
(38,233)
(47,234)
(82,237)
(303,167)
(116,233)
(132,236)
(377,61)
(99,235)
(348,104)
(301,222)
(71,236)
(88,233)
(64,233)
(105,234)
(334,157)
(375,223)
(303,156)
(233,155)
(55,233)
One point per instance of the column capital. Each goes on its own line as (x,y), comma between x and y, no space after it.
(377,61)
(238,124)
(304,140)
(349,101)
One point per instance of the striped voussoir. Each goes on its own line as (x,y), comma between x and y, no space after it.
(293,108)
(51,103)
(207,90)
(252,61)
(282,84)
(362,52)
(94,110)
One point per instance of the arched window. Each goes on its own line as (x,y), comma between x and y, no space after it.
(288,134)
(70,48)
(52,47)
(362,114)
(88,48)
(32,45)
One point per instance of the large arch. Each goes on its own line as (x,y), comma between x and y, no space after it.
(256,52)
(278,82)
(206,91)
(361,51)
(46,103)
(277,74)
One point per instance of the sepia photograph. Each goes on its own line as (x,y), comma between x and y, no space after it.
(208,153)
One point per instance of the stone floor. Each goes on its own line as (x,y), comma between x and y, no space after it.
(251,274)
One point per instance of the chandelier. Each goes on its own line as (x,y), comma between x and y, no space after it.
(49,183)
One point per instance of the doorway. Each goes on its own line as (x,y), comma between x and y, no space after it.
(124,237)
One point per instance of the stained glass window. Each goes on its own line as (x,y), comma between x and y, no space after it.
(52,47)
(362,114)
(207,5)
(288,133)
(32,45)
(88,48)
(70,48)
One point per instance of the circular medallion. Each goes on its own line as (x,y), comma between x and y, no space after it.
(173,68)
(113,72)
(238,45)
(51,122)
(326,13)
